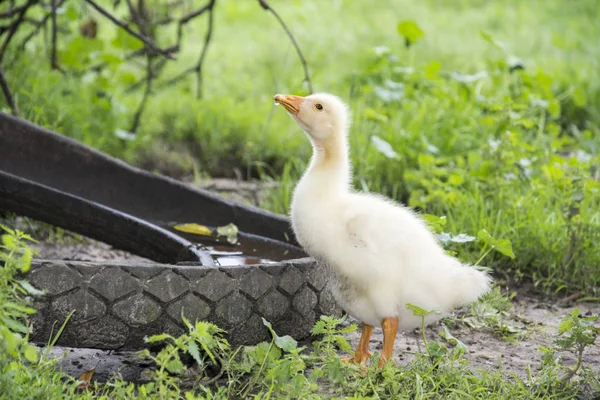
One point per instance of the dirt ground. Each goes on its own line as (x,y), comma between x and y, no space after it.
(487,350)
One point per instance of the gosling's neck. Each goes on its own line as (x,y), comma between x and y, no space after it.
(329,167)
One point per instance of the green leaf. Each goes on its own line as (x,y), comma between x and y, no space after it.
(450,338)
(125,41)
(418,311)
(436,223)
(579,96)
(78,52)
(286,343)
(14,325)
(486,238)
(269,327)
(318,328)
(436,349)
(343,344)
(10,339)
(504,246)
(490,39)
(175,366)
(30,353)
(374,115)
(30,289)
(18,307)
(554,109)
(565,325)
(410,31)
(158,338)
(194,352)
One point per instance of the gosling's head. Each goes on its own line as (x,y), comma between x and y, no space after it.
(324,117)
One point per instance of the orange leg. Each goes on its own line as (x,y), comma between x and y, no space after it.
(362,354)
(390,327)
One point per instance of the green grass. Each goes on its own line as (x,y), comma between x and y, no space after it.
(515,152)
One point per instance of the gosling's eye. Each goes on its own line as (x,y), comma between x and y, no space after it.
(319,107)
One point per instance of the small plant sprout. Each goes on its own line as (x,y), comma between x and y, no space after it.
(575,333)
(433,348)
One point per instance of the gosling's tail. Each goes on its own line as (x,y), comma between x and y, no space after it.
(470,284)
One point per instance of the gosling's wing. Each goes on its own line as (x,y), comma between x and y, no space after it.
(376,224)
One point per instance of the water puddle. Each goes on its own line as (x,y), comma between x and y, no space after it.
(248,250)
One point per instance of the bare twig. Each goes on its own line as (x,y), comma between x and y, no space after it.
(143,38)
(158,66)
(187,18)
(149,78)
(207,38)
(14,27)
(13,11)
(53,57)
(35,31)
(266,6)
(7,94)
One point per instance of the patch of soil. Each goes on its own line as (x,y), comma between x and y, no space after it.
(486,350)
(86,250)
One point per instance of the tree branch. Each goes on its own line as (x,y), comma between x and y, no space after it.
(35,31)
(149,77)
(14,27)
(147,41)
(207,38)
(266,6)
(53,57)
(12,11)
(187,18)
(7,94)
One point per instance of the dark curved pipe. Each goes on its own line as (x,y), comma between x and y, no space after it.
(66,182)
(96,221)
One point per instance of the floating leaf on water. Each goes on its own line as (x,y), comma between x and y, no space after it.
(384,147)
(230,231)
(196,229)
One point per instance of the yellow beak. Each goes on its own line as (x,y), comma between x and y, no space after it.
(290,102)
